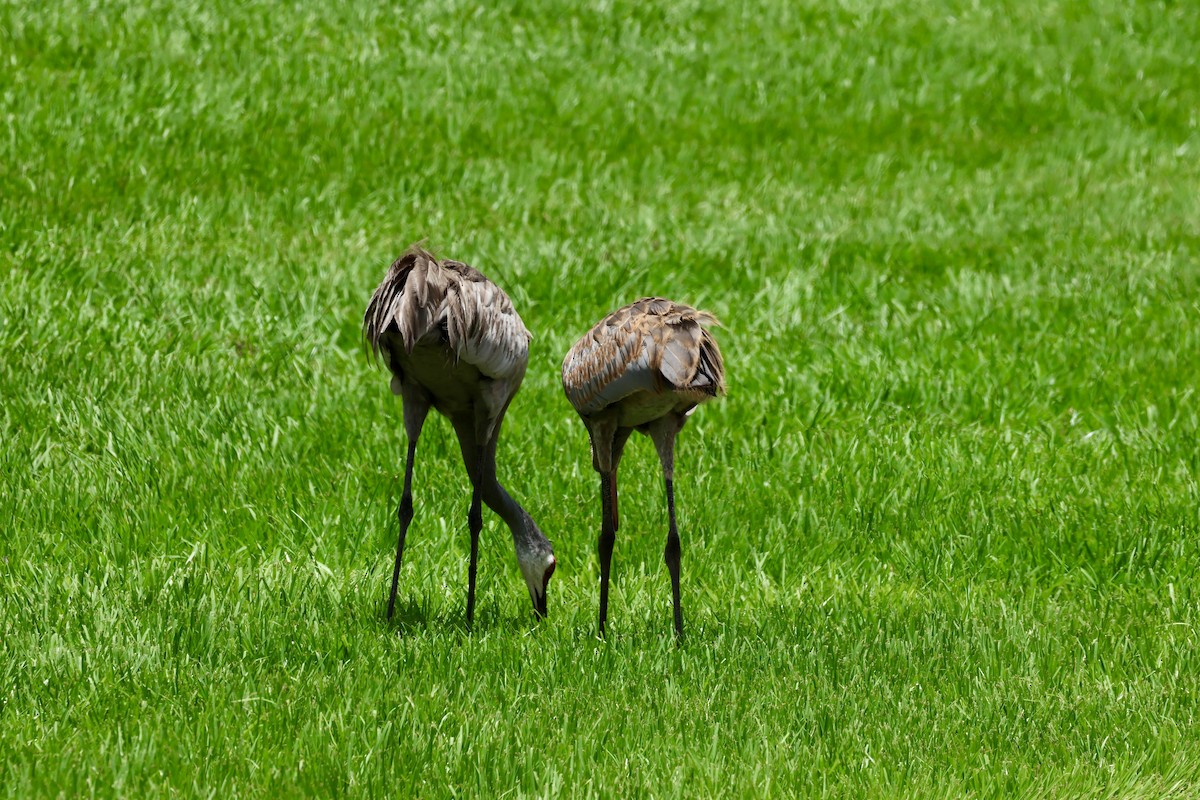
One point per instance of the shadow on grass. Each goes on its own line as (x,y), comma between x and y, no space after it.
(412,616)
(409,616)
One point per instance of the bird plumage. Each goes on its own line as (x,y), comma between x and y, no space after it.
(447,301)
(454,342)
(652,345)
(644,367)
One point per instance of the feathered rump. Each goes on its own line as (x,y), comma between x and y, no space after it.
(420,296)
(651,345)
(404,300)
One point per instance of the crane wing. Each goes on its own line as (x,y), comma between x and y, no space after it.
(652,345)
(482,326)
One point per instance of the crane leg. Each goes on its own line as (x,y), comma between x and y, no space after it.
(671,556)
(415,411)
(619,439)
(475,522)
(604,546)
(663,433)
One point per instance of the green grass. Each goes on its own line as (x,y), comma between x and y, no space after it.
(940,540)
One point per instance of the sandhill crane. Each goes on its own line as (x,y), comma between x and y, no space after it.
(453,341)
(644,367)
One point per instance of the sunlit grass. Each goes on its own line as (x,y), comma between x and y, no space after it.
(940,540)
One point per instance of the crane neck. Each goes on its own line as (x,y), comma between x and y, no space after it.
(524,532)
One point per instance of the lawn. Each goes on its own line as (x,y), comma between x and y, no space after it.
(940,539)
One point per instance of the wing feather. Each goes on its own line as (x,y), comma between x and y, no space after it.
(651,345)
(420,297)
(484,328)
(408,300)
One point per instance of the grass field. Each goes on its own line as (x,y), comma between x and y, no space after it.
(940,540)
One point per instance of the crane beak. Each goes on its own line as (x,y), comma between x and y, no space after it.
(540,598)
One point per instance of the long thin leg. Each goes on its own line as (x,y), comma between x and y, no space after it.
(474,454)
(671,556)
(608,529)
(607,442)
(475,522)
(619,439)
(663,433)
(415,411)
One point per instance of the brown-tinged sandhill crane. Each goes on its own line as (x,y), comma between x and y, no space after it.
(644,367)
(453,341)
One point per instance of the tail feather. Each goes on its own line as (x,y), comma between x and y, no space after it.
(710,375)
(404,299)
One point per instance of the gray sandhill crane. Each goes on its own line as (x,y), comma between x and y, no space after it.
(644,367)
(453,341)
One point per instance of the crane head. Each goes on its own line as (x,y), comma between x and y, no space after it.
(535,556)
(537,577)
